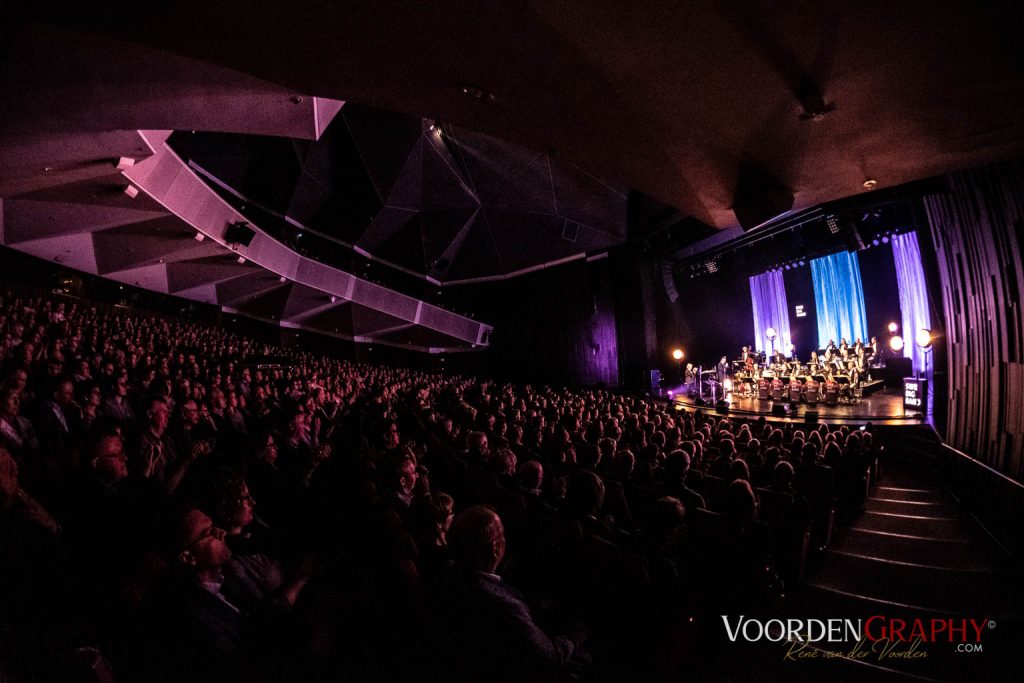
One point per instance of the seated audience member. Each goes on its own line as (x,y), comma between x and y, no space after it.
(16,432)
(488,631)
(116,405)
(33,588)
(154,456)
(677,466)
(431,516)
(254,575)
(204,632)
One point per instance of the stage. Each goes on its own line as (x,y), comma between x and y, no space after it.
(883,407)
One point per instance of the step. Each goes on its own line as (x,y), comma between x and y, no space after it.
(920,588)
(883,501)
(919,494)
(943,554)
(924,526)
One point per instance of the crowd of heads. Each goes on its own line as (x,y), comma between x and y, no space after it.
(186,503)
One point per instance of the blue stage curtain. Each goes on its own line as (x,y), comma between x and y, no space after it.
(768,294)
(839,299)
(913,297)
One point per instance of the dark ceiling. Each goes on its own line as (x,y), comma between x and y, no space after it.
(674,99)
(431,198)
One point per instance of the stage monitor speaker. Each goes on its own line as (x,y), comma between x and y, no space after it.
(759,197)
(722,406)
(239,233)
(779,409)
(811,416)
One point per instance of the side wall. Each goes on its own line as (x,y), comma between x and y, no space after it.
(978,231)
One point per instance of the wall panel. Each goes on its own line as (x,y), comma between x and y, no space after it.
(977,228)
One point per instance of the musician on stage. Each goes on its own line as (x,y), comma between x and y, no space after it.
(872,351)
(690,376)
(722,369)
(830,351)
(844,348)
(814,363)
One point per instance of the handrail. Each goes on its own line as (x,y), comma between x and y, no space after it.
(975,461)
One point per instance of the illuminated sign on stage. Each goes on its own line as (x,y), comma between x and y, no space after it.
(800,312)
(915,393)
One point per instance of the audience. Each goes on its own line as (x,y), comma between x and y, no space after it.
(197,505)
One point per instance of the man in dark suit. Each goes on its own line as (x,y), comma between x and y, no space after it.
(489,632)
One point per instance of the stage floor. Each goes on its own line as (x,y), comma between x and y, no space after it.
(882,408)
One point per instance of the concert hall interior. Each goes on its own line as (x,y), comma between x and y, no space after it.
(555,340)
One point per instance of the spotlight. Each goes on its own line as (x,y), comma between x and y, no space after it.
(788,266)
(670,393)
(885,239)
(802,263)
(131,191)
(770,333)
(282,279)
(893,327)
(241,259)
(875,242)
(199,237)
(124,163)
(923,338)
(896,343)
(333,298)
(677,354)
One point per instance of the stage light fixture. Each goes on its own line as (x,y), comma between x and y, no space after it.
(885,239)
(875,242)
(199,237)
(896,343)
(788,266)
(771,334)
(677,354)
(923,338)
(833,224)
(893,327)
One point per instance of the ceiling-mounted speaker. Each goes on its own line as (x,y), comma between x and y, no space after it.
(239,233)
(760,197)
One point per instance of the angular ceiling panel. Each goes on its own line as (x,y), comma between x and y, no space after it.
(267,304)
(73,251)
(388,222)
(337,320)
(366,321)
(443,187)
(185,275)
(384,140)
(26,220)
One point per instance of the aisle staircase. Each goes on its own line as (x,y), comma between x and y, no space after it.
(913,555)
